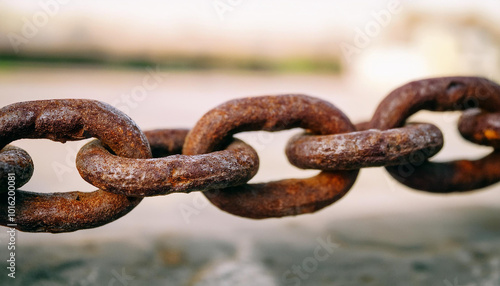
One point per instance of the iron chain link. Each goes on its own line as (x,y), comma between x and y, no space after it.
(127,165)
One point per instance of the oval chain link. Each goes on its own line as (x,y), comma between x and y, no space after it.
(120,162)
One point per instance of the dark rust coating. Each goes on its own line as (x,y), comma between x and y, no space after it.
(439,94)
(369,148)
(17,161)
(448,177)
(165,142)
(62,120)
(235,165)
(480,127)
(331,142)
(435,94)
(268,113)
(273,113)
(72,119)
(365,125)
(284,198)
(65,212)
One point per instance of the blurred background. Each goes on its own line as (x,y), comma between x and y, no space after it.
(195,55)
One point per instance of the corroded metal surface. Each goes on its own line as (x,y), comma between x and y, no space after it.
(235,165)
(369,148)
(435,94)
(268,113)
(285,197)
(73,119)
(480,127)
(448,177)
(17,161)
(65,212)
(164,142)
(62,120)
(273,113)
(440,94)
(120,162)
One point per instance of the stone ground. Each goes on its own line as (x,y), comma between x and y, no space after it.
(456,246)
(381,233)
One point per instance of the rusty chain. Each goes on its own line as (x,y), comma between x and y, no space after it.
(127,165)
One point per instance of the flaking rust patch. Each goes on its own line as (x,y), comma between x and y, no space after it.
(62,120)
(273,113)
